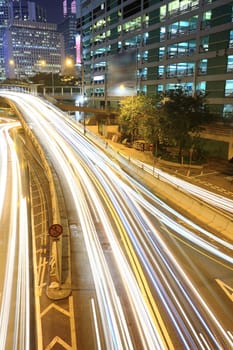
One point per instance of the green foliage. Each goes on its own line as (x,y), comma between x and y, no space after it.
(182,117)
(176,119)
(47,79)
(15,81)
(43,79)
(135,113)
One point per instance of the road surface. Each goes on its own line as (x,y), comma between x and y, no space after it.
(152,279)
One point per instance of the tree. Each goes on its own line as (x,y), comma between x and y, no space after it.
(182,117)
(46,78)
(133,117)
(151,124)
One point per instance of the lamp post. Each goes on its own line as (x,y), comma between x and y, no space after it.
(69,62)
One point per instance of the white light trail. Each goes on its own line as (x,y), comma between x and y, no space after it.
(15,300)
(213,199)
(92,170)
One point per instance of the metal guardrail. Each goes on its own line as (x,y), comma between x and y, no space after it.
(211,216)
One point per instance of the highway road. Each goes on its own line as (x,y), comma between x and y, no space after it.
(15,297)
(148,277)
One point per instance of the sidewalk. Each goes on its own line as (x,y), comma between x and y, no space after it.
(215,176)
(211,177)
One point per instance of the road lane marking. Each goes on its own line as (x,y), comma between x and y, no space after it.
(227,289)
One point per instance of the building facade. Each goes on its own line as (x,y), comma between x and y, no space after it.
(68,28)
(69,7)
(4,17)
(26,11)
(163,44)
(32,47)
(27,40)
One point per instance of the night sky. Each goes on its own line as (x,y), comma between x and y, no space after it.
(54,9)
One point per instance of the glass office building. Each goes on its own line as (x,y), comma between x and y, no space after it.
(11,10)
(26,11)
(4,16)
(32,47)
(158,45)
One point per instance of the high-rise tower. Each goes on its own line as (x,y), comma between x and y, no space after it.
(69,7)
(4,17)
(20,10)
(29,44)
(186,43)
(68,27)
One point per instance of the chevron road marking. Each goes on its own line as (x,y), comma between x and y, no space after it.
(70,315)
(227,289)
(54,306)
(58,340)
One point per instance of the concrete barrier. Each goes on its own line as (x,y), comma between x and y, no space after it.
(59,274)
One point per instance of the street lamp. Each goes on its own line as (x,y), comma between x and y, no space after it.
(69,67)
(43,63)
(69,62)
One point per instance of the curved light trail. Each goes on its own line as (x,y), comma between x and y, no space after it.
(15,300)
(147,266)
(213,199)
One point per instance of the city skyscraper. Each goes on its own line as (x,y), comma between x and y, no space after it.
(186,43)
(11,10)
(32,47)
(4,17)
(28,40)
(68,27)
(69,7)
(26,11)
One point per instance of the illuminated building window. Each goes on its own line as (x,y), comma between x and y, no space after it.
(161,53)
(145,56)
(204,44)
(230,63)
(229,88)
(228,111)
(144,74)
(162,12)
(173,6)
(206,18)
(145,20)
(201,86)
(162,33)
(132,25)
(160,72)
(160,88)
(202,69)
(231,39)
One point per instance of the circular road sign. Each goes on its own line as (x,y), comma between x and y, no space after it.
(55,230)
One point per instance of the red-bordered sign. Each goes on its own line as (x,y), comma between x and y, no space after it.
(55,230)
